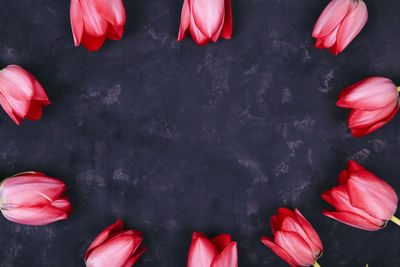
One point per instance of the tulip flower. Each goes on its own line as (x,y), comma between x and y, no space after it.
(32,198)
(206,20)
(115,247)
(217,252)
(373,101)
(295,240)
(361,199)
(93,21)
(21,95)
(340,22)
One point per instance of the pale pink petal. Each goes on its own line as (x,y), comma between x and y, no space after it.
(367,118)
(311,233)
(95,24)
(135,256)
(278,251)
(201,252)
(198,37)
(8,109)
(352,219)
(327,41)
(34,215)
(208,15)
(111,10)
(185,20)
(330,18)
(76,17)
(351,25)
(296,247)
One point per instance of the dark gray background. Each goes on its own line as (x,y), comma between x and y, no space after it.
(175,138)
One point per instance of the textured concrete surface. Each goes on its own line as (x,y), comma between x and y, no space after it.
(174,138)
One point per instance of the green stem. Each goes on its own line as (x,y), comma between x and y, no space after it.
(395,220)
(316,264)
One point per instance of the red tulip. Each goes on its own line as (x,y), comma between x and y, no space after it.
(217,252)
(32,198)
(361,199)
(374,102)
(206,20)
(93,21)
(115,247)
(340,22)
(295,239)
(21,95)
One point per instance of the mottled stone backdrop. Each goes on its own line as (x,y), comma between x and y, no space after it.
(174,138)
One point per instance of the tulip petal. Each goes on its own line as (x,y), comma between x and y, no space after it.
(343,176)
(201,252)
(369,94)
(351,25)
(185,19)
(330,18)
(327,41)
(227,258)
(278,251)
(227,27)
(76,17)
(366,118)
(221,241)
(198,37)
(106,233)
(371,194)
(296,247)
(8,109)
(92,43)
(111,10)
(115,32)
(94,24)
(135,256)
(353,166)
(352,219)
(309,231)
(357,132)
(34,215)
(208,15)
(339,198)
(115,251)
(30,191)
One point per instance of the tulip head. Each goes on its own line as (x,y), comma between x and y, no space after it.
(206,20)
(217,252)
(361,199)
(32,198)
(21,95)
(93,21)
(115,247)
(295,240)
(374,101)
(340,22)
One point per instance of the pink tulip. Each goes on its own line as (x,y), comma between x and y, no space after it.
(32,198)
(93,21)
(206,20)
(361,199)
(340,22)
(373,101)
(115,247)
(21,95)
(217,252)
(295,241)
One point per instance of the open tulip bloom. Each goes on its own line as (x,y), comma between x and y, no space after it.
(206,20)
(32,198)
(21,95)
(373,102)
(295,240)
(93,21)
(217,252)
(115,247)
(340,22)
(361,199)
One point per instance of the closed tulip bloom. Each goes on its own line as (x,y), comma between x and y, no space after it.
(217,252)
(21,95)
(93,21)
(115,247)
(373,101)
(361,199)
(340,22)
(295,240)
(32,198)
(206,20)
